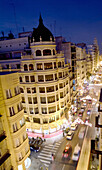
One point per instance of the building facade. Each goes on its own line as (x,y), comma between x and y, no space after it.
(13,121)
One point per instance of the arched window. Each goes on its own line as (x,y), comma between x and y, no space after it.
(53,52)
(21,90)
(20,79)
(31,67)
(25,67)
(46,52)
(38,53)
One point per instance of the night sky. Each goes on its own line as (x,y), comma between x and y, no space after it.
(76,20)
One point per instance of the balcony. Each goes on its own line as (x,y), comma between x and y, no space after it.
(2,136)
(4,157)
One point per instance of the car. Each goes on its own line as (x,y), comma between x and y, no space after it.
(88,112)
(67,151)
(80,114)
(84,104)
(73,126)
(87,119)
(69,136)
(81,132)
(35,148)
(76,153)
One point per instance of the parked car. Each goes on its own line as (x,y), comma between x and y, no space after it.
(67,151)
(35,148)
(87,119)
(88,112)
(73,126)
(80,114)
(69,136)
(81,132)
(76,153)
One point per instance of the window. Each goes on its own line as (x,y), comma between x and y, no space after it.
(31,67)
(21,90)
(27,78)
(31,110)
(20,79)
(35,100)
(25,67)
(15,127)
(49,77)
(29,100)
(22,121)
(38,53)
(39,66)
(45,121)
(36,120)
(36,111)
(53,52)
(17,90)
(43,100)
(32,78)
(50,89)
(47,66)
(8,94)
(19,107)
(57,98)
(34,90)
(18,66)
(55,76)
(59,64)
(41,78)
(23,100)
(52,109)
(28,90)
(44,110)
(54,64)
(46,52)
(60,75)
(11,111)
(61,95)
(51,99)
(42,89)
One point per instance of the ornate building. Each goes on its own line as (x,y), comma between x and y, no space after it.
(44,83)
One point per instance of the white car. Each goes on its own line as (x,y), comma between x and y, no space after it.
(81,132)
(76,153)
(69,136)
(73,126)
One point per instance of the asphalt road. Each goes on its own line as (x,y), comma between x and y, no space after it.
(68,164)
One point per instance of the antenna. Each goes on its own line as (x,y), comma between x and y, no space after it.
(11,3)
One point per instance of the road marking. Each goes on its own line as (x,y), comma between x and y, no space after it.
(42,157)
(42,154)
(45,149)
(48,162)
(63,167)
(46,152)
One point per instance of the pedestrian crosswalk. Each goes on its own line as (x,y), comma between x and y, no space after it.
(45,155)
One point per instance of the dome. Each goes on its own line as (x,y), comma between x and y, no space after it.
(41,32)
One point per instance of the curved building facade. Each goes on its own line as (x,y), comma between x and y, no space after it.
(44,84)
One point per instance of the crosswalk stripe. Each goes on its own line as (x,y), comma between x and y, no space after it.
(44,158)
(50,145)
(45,161)
(46,165)
(49,150)
(45,152)
(42,154)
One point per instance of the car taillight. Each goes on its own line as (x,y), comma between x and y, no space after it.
(67,155)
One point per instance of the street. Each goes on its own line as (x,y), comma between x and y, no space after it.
(57,147)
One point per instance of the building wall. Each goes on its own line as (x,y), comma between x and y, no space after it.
(13,119)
